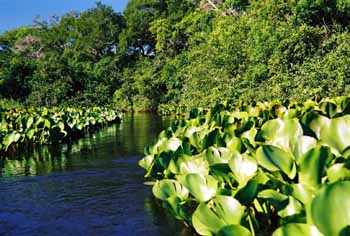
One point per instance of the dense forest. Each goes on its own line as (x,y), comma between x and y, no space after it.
(171,54)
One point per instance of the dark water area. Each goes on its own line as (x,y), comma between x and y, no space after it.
(92,186)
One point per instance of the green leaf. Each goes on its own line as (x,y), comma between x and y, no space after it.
(222,211)
(336,133)
(203,188)
(189,164)
(30,133)
(294,207)
(330,208)
(30,122)
(165,145)
(219,155)
(146,162)
(275,159)
(283,133)
(11,138)
(243,168)
(234,230)
(167,188)
(297,230)
(247,194)
(174,144)
(303,193)
(250,135)
(338,172)
(313,166)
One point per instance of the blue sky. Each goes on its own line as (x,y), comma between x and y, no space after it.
(15,13)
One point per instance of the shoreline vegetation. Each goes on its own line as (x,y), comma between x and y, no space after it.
(171,55)
(269,168)
(22,128)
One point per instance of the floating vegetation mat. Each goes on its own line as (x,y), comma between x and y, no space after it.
(279,168)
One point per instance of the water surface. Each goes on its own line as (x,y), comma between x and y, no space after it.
(92,186)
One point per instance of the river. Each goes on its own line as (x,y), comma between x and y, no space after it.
(92,186)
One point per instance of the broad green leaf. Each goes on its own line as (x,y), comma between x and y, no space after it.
(234,230)
(283,133)
(203,188)
(146,162)
(174,203)
(336,133)
(167,188)
(196,139)
(330,208)
(294,207)
(217,155)
(294,229)
(222,211)
(317,123)
(274,158)
(243,167)
(305,143)
(247,194)
(250,135)
(303,193)
(234,144)
(165,145)
(313,166)
(338,172)
(328,108)
(189,164)
(174,144)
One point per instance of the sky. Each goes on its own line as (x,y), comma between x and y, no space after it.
(15,13)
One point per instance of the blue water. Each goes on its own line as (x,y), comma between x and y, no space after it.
(92,186)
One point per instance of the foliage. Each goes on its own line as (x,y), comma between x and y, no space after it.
(72,60)
(254,169)
(20,127)
(176,55)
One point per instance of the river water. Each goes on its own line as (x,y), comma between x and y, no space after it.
(92,186)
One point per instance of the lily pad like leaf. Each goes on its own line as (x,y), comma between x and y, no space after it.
(283,133)
(222,211)
(167,188)
(330,208)
(313,166)
(338,172)
(274,158)
(217,155)
(188,164)
(203,188)
(234,230)
(243,168)
(336,133)
(297,230)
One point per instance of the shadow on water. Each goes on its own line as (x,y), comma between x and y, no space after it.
(92,186)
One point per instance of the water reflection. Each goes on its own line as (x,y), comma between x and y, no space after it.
(92,186)
(120,140)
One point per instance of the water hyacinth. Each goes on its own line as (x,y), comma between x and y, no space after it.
(281,169)
(27,126)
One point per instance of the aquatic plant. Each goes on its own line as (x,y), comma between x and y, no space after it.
(280,168)
(25,126)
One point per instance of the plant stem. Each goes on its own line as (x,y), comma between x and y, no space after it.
(251,224)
